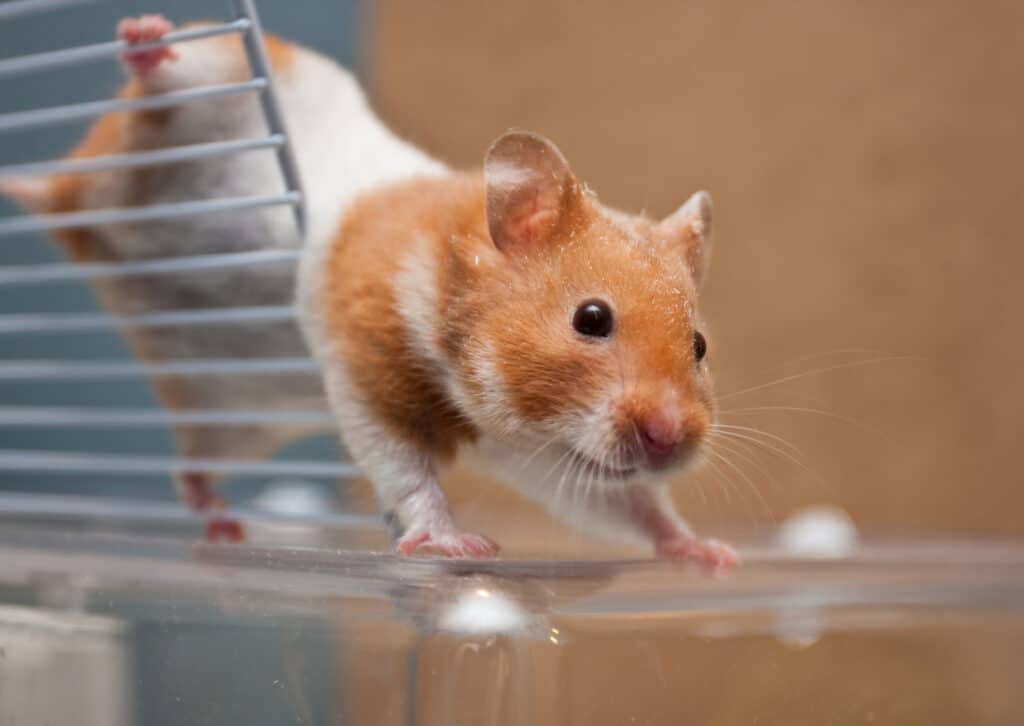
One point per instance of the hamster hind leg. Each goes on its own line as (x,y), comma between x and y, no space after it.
(196,490)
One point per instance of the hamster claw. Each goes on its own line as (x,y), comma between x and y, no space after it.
(146,29)
(449,544)
(714,557)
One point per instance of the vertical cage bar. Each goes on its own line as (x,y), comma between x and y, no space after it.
(259,63)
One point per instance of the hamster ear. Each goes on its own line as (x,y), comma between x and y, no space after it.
(530,190)
(29,192)
(690,228)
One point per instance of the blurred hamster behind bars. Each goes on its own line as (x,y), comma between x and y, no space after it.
(331,128)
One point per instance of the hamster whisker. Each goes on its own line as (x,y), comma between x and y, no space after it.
(739,449)
(534,455)
(800,409)
(756,489)
(752,431)
(740,439)
(816,371)
(564,487)
(738,436)
(729,487)
(698,480)
(750,483)
(870,352)
(574,482)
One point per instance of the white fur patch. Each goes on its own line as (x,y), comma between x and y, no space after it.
(415,290)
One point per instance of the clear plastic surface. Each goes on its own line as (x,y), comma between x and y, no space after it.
(119,613)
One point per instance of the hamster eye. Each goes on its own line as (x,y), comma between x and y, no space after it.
(593,318)
(700,346)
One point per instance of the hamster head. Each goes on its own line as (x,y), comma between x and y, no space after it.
(592,341)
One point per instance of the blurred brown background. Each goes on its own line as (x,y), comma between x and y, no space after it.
(866,167)
(867,170)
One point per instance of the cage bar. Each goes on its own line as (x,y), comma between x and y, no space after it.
(36,274)
(66,322)
(13,8)
(75,111)
(79,462)
(51,370)
(80,54)
(52,416)
(173,155)
(149,213)
(260,65)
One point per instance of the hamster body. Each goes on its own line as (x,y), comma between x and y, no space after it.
(509,318)
(504,317)
(332,130)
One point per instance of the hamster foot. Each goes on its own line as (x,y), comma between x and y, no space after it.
(145,29)
(713,556)
(446,544)
(196,490)
(224,528)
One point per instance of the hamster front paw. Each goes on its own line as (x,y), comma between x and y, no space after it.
(713,556)
(145,29)
(446,544)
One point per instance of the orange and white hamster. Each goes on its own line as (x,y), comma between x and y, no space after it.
(510,318)
(333,132)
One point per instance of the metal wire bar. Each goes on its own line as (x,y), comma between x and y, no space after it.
(48,370)
(71,507)
(14,8)
(51,416)
(18,225)
(34,274)
(134,159)
(78,463)
(246,23)
(65,322)
(260,65)
(68,56)
(73,111)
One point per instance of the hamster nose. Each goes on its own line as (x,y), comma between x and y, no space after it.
(660,435)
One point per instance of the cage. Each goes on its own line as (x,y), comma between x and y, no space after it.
(114,609)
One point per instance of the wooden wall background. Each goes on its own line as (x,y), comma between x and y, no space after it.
(867,169)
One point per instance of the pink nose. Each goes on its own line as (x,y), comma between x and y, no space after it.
(660,435)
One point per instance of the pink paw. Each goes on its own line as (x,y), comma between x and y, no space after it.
(450,544)
(220,527)
(145,29)
(713,556)
(196,490)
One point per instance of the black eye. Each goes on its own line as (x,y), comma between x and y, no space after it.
(593,318)
(700,346)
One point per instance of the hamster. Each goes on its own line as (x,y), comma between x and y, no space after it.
(508,318)
(333,132)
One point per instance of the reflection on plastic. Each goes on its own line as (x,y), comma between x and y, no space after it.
(340,631)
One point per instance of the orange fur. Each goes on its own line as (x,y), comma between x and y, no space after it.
(520,303)
(280,52)
(361,312)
